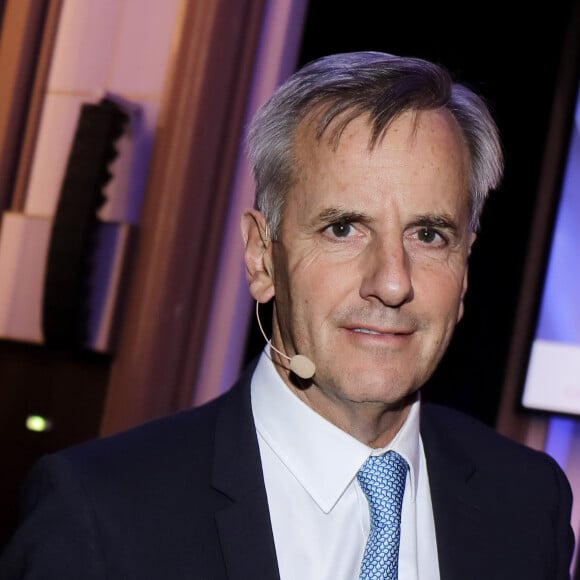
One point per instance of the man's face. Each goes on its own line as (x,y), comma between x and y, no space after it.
(370,268)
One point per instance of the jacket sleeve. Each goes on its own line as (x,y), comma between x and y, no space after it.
(57,536)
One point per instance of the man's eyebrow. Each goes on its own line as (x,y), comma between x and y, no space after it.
(336,214)
(436,221)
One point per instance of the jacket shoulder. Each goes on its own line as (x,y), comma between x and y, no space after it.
(445,429)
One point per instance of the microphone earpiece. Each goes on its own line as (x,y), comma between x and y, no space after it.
(300,365)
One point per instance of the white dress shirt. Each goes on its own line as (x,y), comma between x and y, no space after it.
(320,516)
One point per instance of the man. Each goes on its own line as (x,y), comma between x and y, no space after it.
(371,174)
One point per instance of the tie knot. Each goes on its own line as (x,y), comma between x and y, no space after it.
(382,479)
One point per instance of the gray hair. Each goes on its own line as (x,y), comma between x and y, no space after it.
(342,87)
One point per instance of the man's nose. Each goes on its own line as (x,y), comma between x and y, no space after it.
(386,273)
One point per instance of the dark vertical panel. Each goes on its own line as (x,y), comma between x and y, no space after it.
(511,419)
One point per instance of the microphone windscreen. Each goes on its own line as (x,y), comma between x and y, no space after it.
(302,366)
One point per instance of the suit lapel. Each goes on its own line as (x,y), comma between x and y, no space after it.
(457,509)
(244,526)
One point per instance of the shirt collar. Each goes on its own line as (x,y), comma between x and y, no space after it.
(322,457)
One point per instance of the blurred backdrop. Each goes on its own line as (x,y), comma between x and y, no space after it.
(162,319)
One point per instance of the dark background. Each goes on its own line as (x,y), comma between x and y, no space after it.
(510,55)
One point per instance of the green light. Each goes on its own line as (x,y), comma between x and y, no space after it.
(37,423)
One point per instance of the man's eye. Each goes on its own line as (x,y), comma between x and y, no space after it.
(340,229)
(429,236)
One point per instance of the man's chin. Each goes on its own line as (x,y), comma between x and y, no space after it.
(392,400)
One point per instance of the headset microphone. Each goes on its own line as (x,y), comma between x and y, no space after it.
(300,365)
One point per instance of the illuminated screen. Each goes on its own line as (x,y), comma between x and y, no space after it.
(552,380)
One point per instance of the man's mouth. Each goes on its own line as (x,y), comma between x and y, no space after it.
(385,332)
(366,331)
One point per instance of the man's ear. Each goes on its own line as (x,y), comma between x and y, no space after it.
(258,255)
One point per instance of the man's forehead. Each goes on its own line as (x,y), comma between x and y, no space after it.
(327,129)
(343,177)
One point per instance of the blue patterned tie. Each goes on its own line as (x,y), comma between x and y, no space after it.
(382,479)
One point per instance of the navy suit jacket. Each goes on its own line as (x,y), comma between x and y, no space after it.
(183,498)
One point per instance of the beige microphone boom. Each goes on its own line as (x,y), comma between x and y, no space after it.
(300,365)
